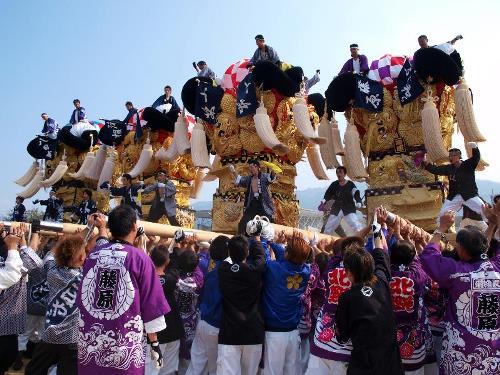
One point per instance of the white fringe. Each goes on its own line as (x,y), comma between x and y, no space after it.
(85,168)
(199,150)
(326,149)
(431,126)
(197,183)
(338,147)
(465,114)
(181,137)
(265,131)
(215,165)
(58,173)
(169,154)
(353,153)
(144,160)
(107,169)
(98,164)
(34,186)
(314,158)
(303,121)
(29,175)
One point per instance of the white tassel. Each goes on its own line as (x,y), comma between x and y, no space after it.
(265,131)
(34,185)
(431,126)
(465,114)
(303,121)
(100,158)
(326,149)
(199,150)
(169,154)
(353,152)
(314,158)
(197,183)
(144,159)
(85,167)
(215,165)
(160,154)
(58,173)
(107,169)
(181,137)
(29,175)
(338,147)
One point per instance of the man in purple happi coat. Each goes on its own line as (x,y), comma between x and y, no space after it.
(357,63)
(471,341)
(121,301)
(408,284)
(327,354)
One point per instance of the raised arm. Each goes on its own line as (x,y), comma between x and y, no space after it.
(117,192)
(150,188)
(382,263)
(474,160)
(439,268)
(440,170)
(256,254)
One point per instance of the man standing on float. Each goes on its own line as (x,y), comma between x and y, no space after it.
(462,190)
(257,197)
(344,193)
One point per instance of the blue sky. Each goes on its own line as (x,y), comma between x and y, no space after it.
(106,52)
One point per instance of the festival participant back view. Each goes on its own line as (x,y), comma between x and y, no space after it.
(120,297)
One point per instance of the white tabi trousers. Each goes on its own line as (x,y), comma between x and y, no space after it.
(238,359)
(281,351)
(474,203)
(204,350)
(334,220)
(170,366)
(321,366)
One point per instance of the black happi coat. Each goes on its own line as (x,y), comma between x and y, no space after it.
(364,315)
(84,209)
(175,328)
(54,210)
(240,285)
(462,178)
(343,197)
(18,212)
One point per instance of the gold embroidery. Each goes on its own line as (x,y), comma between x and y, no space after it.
(293,282)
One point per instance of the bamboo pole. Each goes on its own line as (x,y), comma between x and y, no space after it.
(161,230)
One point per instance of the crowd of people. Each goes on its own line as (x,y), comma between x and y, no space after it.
(385,301)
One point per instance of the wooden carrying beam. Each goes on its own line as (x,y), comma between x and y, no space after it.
(161,230)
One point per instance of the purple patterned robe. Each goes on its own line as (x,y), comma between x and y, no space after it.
(407,290)
(187,294)
(471,341)
(118,295)
(325,344)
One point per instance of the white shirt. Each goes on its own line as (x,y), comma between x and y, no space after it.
(10,272)
(356,65)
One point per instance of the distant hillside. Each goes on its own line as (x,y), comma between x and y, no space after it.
(310,198)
